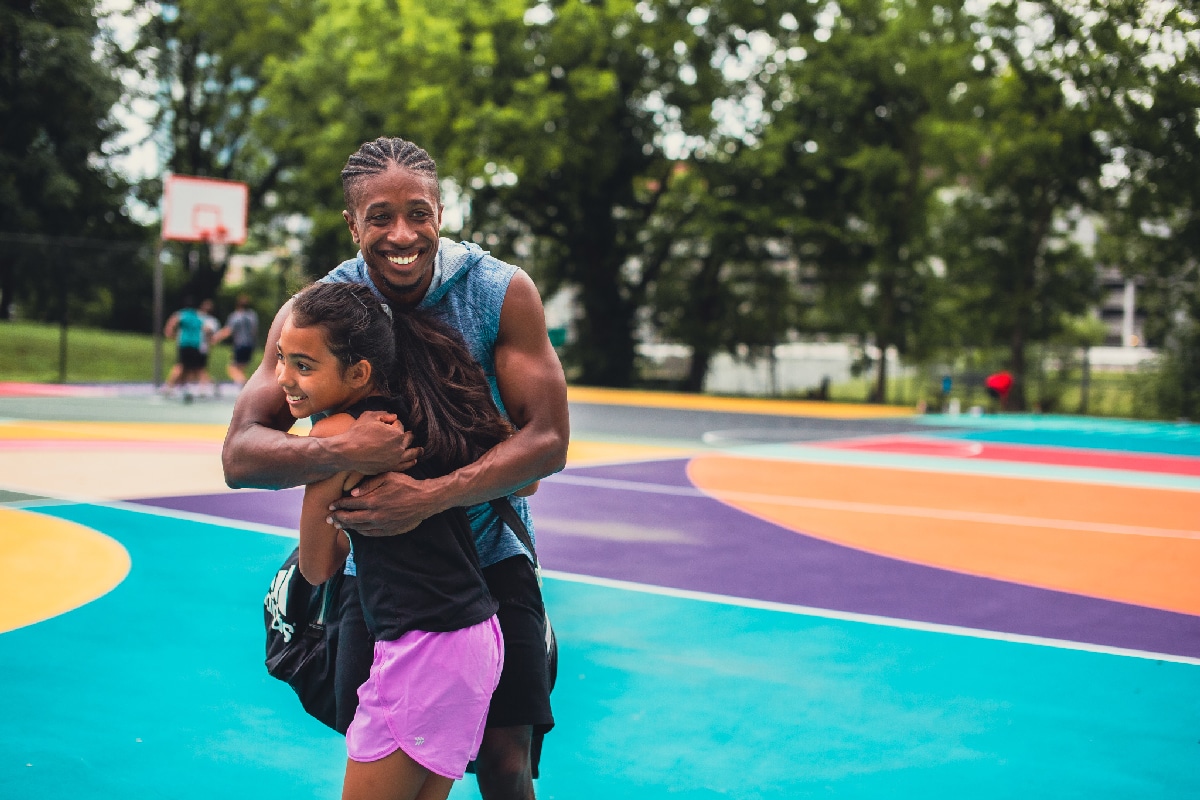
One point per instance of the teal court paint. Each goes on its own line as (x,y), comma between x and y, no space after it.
(157,689)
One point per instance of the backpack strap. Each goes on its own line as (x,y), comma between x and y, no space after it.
(512,519)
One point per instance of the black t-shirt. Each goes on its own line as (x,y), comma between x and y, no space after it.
(428,579)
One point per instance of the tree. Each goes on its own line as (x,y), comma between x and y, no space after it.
(1013,257)
(724,282)
(1152,201)
(863,117)
(1153,183)
(61,205)
(559,124)
(206,59)
(575,124)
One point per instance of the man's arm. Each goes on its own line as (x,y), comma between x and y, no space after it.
(260,453)
(534,391)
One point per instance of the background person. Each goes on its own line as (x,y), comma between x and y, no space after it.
(393,211)
(998,386)
(241,328)
(193,330)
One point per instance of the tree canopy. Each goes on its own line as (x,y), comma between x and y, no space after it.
(915,175)
(62,206)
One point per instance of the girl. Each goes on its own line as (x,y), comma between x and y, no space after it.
(438,646)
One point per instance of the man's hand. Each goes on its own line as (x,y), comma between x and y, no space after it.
(375,443)
(385,505)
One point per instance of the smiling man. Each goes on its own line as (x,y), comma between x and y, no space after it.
(394,211)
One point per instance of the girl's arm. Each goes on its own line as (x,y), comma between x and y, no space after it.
(323,548)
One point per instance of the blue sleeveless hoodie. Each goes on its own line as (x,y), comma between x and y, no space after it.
(467,293)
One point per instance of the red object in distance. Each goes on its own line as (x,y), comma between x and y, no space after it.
(1000,383)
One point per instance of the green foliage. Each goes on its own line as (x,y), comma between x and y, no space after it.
(1173,389)
(862,118)
(1014,266)
(1152,213)
(62,218)
(29,352)
(208,59)
(1082,331)
(906,173)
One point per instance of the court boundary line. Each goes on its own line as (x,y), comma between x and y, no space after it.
(920,512)
(866,619)
(159,511)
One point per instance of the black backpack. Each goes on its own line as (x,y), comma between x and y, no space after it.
(302,632)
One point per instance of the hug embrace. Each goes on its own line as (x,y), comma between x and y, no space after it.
(437,391)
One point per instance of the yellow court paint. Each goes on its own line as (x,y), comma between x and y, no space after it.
(51,566)
(111,431)
(111,473)
(585,453)
(734,405)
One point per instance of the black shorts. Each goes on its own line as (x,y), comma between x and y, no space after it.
(192,358)
(242,355)
(355,652)
(523,696)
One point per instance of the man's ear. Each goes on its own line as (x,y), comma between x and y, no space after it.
(358,374)
(352,224)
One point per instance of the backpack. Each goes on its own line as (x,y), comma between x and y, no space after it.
(302,635)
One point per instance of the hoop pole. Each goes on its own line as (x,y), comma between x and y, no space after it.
(158,315)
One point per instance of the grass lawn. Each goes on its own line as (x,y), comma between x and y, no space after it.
(31,352)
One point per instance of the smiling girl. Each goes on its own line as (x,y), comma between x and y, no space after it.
(438,649)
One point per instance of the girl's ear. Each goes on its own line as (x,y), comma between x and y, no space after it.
(358,374)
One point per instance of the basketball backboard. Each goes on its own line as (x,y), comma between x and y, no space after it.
(204,210)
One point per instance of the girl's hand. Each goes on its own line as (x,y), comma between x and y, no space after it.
(352,480)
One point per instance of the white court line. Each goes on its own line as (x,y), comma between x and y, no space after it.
(686,594)
(158,511)
(920,512)
(867,619)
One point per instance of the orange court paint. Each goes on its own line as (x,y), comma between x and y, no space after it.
(1128,544)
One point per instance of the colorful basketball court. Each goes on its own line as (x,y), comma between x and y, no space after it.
(753,599)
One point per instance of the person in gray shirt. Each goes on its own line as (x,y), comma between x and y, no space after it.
(242,330)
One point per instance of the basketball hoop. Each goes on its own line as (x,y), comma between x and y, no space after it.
(218,246)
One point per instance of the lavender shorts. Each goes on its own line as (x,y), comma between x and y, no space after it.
(428,695)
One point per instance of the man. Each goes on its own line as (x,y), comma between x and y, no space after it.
(242,328)
(393,211)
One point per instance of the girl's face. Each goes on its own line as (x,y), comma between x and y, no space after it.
(312,378)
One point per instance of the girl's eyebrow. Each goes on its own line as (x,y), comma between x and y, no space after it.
(305,356)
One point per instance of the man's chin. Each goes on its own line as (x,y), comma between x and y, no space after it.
(396,289)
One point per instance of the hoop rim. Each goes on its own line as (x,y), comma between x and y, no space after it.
(218,245)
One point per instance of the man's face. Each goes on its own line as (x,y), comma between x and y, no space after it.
(395,222)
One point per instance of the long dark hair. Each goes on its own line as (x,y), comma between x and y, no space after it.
(417,360)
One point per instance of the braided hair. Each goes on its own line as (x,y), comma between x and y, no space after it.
(418,361)
(374,158)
